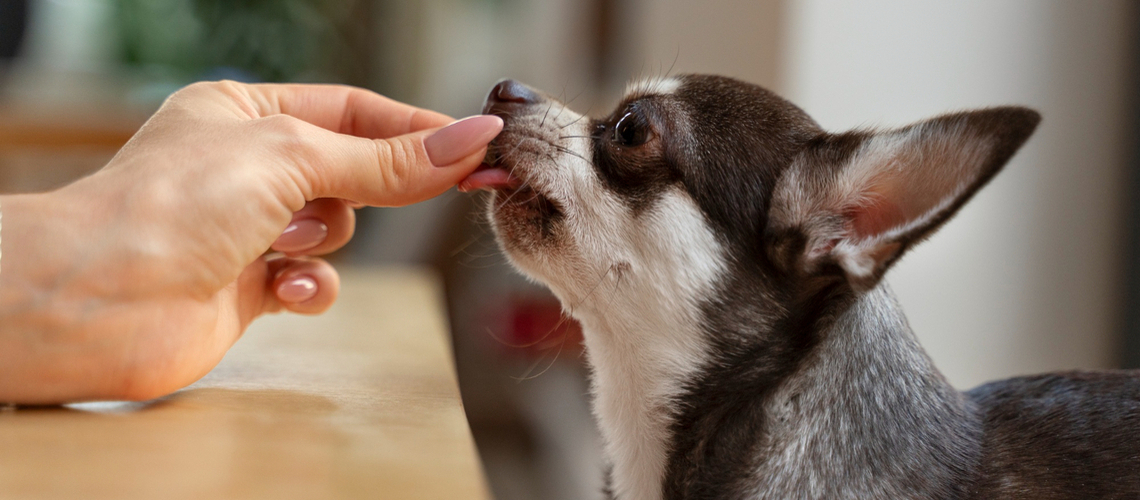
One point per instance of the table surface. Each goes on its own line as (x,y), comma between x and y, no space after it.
(361,402)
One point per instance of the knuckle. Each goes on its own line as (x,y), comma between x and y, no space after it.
(291,142)
(190,97)
(185,95)
(224,87)
(393,162)
(281,124)
(289,134)
(200,87)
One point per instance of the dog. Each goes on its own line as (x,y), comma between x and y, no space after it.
(724,256)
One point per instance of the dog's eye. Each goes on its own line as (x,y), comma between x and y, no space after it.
(631,130)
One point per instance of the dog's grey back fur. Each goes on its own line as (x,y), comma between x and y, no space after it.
(1060,435)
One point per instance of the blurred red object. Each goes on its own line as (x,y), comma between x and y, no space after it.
(535,327)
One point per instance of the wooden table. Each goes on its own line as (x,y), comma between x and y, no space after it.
(361,402)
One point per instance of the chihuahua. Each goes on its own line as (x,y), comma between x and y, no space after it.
(724,256)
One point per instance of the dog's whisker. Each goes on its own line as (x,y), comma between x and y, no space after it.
(512,195)
(513,150)
(542,123)
(676,57)
(565,150)
(576,120)
(566,104)
(553,360)
(463,246)
(565,317)
(524,345)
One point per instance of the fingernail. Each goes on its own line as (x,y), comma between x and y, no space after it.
(458,140)
(301,235)
(297,289)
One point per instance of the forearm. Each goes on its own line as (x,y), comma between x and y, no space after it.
(36,313)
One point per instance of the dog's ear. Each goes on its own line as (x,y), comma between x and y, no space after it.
(855,202)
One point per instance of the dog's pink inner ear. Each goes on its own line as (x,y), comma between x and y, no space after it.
(875,216)
(908,181)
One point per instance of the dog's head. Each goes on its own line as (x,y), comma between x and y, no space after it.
(696,180)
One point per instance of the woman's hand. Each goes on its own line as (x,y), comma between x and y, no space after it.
(132,283)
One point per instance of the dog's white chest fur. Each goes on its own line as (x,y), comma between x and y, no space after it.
(643,338)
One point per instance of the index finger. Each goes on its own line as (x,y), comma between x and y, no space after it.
(343,109)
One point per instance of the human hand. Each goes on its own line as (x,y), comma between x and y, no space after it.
(132,283)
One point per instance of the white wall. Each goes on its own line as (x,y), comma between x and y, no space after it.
(737,38)
(1027,278)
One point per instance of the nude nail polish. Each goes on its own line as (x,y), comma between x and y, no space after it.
(462,138)
(301,235)
(297,290)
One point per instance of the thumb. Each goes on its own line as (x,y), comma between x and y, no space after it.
(404,169)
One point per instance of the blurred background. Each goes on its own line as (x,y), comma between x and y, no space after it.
(1040,272)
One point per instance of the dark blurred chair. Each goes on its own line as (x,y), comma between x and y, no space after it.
(13,21)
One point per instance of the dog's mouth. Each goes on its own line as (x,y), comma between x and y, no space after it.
(490,177)
(511,191)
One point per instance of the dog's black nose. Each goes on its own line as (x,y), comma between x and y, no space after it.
(507,93)
(512,91)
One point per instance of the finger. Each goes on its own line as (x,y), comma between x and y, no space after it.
(322,226)
(382,172)
(248,293)
(343,109)
(308,286)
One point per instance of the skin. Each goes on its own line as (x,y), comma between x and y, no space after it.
(133,283)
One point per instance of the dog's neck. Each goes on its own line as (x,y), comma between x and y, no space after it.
(864,410)
(867,415)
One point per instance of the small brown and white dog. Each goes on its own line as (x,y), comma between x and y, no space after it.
(724,256)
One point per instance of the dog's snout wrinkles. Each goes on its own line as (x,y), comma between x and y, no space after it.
(507,94)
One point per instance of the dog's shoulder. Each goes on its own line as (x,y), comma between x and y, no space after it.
(1060,435)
